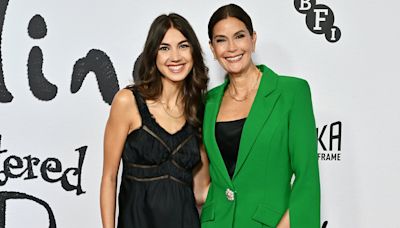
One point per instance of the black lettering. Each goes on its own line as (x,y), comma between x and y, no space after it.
(329,156)
(30,161)
(325,224)
(50,165)
(4,196)
(2,151)
(41,88)
(337,136)
(76,172)
(4,180)
(37,28)
(9,165)
(99,63)
(320,137)
(5,95)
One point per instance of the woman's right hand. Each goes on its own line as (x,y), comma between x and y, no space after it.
(201,178)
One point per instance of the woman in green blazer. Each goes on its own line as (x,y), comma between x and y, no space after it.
(259,132)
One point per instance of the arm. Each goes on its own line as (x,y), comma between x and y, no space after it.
(201,178)
(118,125)
(304,203)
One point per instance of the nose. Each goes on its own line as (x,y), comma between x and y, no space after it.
(175,55)
(232,46)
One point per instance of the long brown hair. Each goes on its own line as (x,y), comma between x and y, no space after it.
(195,84)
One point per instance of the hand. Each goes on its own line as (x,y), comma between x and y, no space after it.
(285,221)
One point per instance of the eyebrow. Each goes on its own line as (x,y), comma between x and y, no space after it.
(181,42)
(236,33)
(241,31)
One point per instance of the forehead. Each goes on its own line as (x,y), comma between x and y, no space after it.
(229,25)
(173,35)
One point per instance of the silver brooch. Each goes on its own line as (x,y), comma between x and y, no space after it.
(230,195)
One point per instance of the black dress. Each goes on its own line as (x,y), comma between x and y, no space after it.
(156,184)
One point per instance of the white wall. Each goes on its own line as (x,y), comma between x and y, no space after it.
(354,81)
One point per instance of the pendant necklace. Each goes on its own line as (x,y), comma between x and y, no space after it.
(167,110)
(248,92)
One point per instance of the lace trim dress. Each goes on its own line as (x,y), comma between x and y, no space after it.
(156,184)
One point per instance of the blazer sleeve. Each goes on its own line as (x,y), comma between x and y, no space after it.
(304,203)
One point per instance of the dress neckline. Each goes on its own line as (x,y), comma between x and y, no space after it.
(153,119)
(148,118)
(232,121)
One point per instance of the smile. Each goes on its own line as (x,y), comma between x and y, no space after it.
(176,68)
(234,58)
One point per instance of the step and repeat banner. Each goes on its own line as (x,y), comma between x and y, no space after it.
(62,62)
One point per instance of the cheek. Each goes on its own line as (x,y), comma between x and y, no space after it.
(220,48)
(160,59)
(219,54)
(250,45)
(159,64)
(188,56)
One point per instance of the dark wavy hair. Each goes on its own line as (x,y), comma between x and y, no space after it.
(148,78)
(230,10)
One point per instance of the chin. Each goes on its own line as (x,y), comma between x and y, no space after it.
(234,70)
(176,78)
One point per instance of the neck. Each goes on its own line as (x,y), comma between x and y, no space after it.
(171,93)
(244,81)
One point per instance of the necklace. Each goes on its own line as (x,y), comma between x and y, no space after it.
(167,110)
(248,92)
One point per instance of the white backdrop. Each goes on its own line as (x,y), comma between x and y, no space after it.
(354,86)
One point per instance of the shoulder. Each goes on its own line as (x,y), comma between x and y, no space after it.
(123,102)
(123,97)
(291,84)
(285,83)
(294,88)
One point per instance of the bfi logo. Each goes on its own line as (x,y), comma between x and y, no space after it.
(319,19)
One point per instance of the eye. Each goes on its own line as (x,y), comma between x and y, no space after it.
(184,46)
(219,40)
(239,36)
(163,48)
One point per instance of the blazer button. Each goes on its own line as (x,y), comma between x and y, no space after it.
(230,195)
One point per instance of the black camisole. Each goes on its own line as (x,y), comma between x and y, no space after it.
(228,134)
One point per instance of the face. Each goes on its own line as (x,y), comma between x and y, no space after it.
(174,58)
(232,45)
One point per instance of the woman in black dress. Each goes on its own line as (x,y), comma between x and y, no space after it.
(154,127)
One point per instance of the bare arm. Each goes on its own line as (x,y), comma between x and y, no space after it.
(120,122)
(201,178)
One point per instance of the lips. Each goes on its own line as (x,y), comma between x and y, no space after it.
(234,58)
(176,68)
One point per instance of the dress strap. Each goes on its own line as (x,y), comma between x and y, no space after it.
(142,107)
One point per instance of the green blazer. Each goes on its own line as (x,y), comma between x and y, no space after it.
(278,141)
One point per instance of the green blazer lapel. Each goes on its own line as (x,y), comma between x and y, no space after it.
(260,111)
(210,117)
